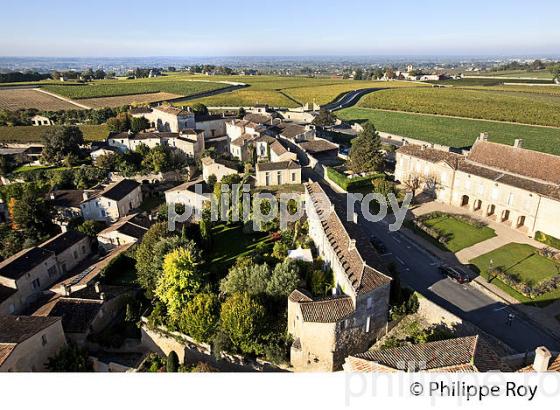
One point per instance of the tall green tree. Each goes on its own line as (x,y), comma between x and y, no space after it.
(144,256)
(181,279)
(60,142)
(246,276)
(325,118)
(242,319)
(200,317)
(33,215)
(70,358)
(138,124)
(365,154)
(284,279)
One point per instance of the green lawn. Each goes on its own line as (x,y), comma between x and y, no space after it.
(463,234)
(29,134)
(455,132)
(523,260)
(228,243)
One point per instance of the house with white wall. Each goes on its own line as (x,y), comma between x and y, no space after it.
(112,203)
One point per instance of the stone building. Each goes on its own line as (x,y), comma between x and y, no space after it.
(112,203)
(167,118)
(127,230)
(458,355)
(27,342)
(326,330)
(278,173)
(194,195)
(189,141)
(508,184)
(218,167)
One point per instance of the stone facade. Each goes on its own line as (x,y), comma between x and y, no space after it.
(327,330)
(114,202)
(516,197)
(278,173)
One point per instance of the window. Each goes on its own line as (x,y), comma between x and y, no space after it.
(51,271)
(279,177)
(36,283)
(44,340)
(75,254)
(293,177)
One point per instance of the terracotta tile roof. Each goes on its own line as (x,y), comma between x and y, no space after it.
(243,139)
(63,241)
(300,296)
(362,264)
(274,166)
(5,350)
(553,365)
(278,148)
(328,310)
(169,109)
(119,190)
(77,314)
(22,262)
(318,145)
(140,110)
(520,161)
(464,164)
(16,329)
(292,131)
(463,354)
(258,118)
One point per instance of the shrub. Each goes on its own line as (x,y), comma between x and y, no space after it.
(349,184)
(547,239)
(172,365)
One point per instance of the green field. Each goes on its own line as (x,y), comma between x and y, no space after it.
(290,91)
(112,88)
(523,260)
(28,134)
(468,103)
(455,132)
(545,74)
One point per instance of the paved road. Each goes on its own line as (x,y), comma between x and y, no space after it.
(419,270)
(349,99)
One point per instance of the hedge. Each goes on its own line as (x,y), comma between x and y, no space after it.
(547,239)
(351,183)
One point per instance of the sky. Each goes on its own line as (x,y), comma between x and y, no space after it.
(278,28)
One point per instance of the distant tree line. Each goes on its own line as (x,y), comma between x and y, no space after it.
(18,77)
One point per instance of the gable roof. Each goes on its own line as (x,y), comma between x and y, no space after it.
(463,354)
(278,148)
(277,166)
(6,350)
(22,262)
(327,310)
(63,241)
(67,198)
(77,314)
(6,292)
(519,161)
(318,145)
(362,265)
(119,190)
(16,329)
(292,130)
(169,109)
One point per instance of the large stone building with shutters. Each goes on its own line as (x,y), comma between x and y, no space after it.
(508,184)
(326,330)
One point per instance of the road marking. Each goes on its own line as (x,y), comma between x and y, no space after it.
(386,254)
(502,308)
(400,260)
(396,240)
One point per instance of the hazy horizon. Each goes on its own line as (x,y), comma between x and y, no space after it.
(305,29)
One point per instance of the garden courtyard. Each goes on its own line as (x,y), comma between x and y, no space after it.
(525,265)
(452,232)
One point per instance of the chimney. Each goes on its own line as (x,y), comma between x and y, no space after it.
(85,195)
(542,358)
(352,245)
(52,196)
(518,143)
(97,287)
(483,136)
(102,296)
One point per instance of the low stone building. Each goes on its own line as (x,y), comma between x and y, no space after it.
(66,203)
(509,184)
(189,141)
(296,132)
(278,173)
(125,231)
(458,355)
(218,167)
(27,342)
(167,118)
(69,248)
(113,202)
(41,120)
(279,153)
(326,330)
(194,195)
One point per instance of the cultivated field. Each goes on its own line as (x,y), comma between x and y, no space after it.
(121,100)
(28,98)
(467,103)
(545,74)
(290,91)
(455,132)
(112,88)
(28,134)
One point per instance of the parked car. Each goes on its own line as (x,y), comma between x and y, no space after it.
(377,244)
(454,273)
